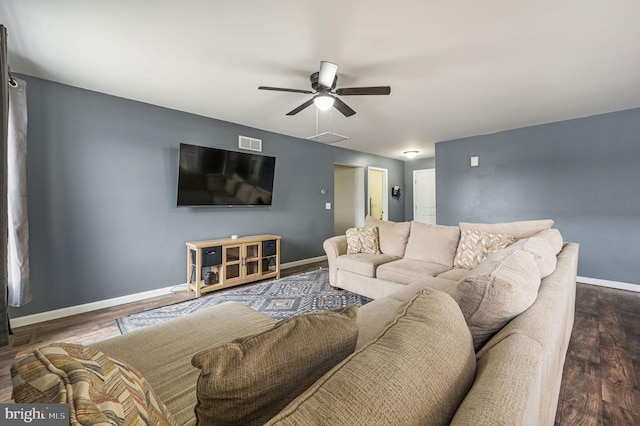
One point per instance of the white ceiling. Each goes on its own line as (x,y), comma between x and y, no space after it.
(456,68)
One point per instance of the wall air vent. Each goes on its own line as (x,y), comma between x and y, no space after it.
(251,144)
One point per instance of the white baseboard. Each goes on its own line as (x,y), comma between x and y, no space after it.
(302,262)
(611,284)
(87,307)
(101,304)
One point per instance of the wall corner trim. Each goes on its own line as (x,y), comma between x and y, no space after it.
(611,284)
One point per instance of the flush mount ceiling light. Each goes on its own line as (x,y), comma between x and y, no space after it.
(323,101)
(410,154)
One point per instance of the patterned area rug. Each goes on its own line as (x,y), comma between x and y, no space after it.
(279,298)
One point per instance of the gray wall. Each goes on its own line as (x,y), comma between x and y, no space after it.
(583,173)
(102,194)
(407,190)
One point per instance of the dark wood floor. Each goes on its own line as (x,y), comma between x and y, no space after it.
(601,380)
(600,384)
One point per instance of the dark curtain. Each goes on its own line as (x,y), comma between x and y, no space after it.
(5,330)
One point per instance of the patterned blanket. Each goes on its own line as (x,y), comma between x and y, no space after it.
(98,388)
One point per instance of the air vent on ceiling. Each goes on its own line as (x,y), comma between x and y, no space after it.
(328,137)
(251,144)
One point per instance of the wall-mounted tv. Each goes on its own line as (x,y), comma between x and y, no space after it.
(217,177)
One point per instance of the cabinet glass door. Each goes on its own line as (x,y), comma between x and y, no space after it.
(252,251)
(232,257)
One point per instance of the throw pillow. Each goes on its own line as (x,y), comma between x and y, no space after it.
(363,240)
(250,380)
(499,289)
(476,245)
(98,388)
(416,372)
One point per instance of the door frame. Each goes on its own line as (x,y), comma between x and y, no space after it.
(356,198)
(385,190)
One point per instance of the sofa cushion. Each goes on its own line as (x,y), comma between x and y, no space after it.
(393,235)
(405,271)
(363,264)
(417,371)
(455,274)
(251,379)
(508,381)
(542,252)
(98,388)
(432,243)
(521,229)
(363,240)
(554,238)
(476,245)
(500,288)
(410,290)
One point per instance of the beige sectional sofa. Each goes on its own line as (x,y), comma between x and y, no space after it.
(520,358)
(409,251)
(423,354)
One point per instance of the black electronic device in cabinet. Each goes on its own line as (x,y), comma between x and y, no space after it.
(211,256)
(269,248)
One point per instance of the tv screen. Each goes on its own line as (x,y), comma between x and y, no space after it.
(217,177)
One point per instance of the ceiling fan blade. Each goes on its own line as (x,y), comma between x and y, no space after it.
(328,72)
(300,108)
(280,89)
(343,108)
(377,90)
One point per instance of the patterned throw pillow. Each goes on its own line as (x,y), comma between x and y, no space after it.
(99,389)
(363,240)
(475,246)
(250,380)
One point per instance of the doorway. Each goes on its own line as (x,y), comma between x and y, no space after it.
(348,198)
(377,193)
(424,196)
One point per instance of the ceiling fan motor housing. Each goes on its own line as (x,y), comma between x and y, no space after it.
(317,87)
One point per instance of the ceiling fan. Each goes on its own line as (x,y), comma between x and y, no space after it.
(323,84)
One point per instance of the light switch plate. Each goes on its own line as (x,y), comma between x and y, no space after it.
(327,206)
(475,161)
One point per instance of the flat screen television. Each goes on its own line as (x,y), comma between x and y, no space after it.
(217,177)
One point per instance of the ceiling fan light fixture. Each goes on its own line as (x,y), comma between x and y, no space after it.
(323,83)
(323,102)
(410,154)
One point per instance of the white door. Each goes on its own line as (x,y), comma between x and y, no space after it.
(378,200)
(424,196)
